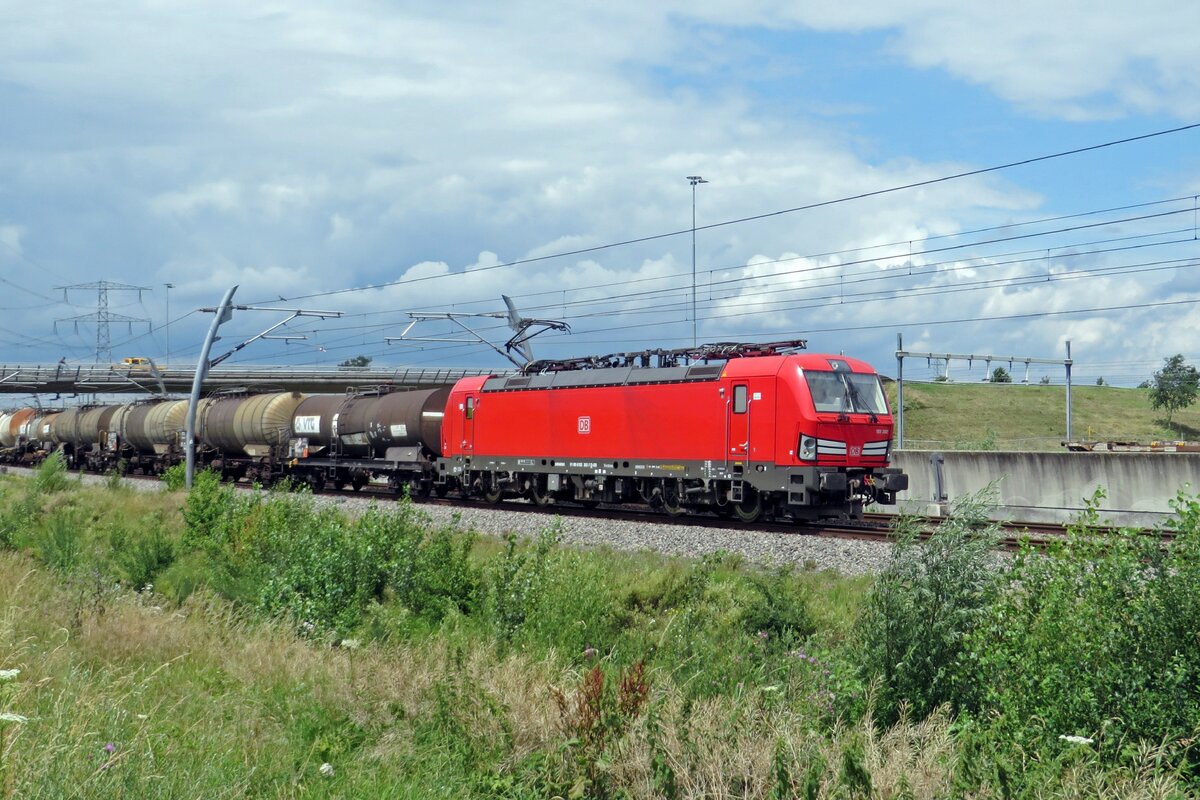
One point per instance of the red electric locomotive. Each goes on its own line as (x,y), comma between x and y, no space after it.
(764,431)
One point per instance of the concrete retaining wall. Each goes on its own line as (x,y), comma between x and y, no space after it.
(1046,487)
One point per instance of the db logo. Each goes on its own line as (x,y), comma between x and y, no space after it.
(855,452)
(585,424)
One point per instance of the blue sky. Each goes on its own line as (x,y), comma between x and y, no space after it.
(308,147)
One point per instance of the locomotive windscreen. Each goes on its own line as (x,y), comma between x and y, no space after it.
(845,392)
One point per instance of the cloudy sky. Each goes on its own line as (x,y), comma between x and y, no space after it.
(441,156)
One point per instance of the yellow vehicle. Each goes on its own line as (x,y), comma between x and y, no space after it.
(135,361)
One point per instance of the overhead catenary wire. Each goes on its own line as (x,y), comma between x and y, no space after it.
(810,269)
(767,215)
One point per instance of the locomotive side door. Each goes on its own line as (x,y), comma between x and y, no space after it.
(468,440)
(738,440)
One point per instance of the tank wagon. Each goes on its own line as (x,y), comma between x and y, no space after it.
(367,434)
(748,431)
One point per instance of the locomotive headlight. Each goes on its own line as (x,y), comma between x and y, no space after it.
(808,448)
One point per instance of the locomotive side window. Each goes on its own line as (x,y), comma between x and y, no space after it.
(739,399)
(470,408)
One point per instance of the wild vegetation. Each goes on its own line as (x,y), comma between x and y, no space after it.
(224,644)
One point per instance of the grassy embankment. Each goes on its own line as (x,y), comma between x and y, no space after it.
(280,638)
(1020,417)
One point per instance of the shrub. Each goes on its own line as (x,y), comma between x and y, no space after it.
(208,512)
(924,605)
(514,584)
(1097,637)
(779,608)
(174,478)
(51,475)
(576,607)
(59,541)
(142,552)
(431,573)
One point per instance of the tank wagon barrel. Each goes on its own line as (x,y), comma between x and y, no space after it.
(249,425)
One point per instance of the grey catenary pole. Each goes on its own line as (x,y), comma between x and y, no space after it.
(224,313)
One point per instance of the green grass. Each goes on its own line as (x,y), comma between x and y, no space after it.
(1020,417)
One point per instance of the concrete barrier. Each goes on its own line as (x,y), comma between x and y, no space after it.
(1050,487)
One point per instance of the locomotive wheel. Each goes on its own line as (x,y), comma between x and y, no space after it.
(671,500)
(441,490)
(750,509)
(540,497)
(490,489)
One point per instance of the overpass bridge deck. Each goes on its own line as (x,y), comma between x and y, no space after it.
(123,378)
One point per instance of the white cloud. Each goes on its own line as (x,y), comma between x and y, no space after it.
(340,227)
(10,238)
(224,196)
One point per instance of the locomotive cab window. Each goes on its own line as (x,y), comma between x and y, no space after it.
(739,399)
(839,392)
(470,408)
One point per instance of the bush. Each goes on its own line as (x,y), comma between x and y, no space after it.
(59,541)
(174,478)
(932,596)
(1097,637)
(51,475)
(142,552)
(514,585)
(779,609)
(430,573)
(208,513)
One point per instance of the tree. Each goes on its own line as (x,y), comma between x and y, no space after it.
(1100,381)
(1000,375)
(1175,386)
(357,361)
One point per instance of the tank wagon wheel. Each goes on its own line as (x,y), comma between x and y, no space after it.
(419,489)
(751,506)
(358,481)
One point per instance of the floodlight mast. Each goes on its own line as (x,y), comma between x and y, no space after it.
(223,313)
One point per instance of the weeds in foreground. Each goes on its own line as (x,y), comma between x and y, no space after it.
(51,475)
